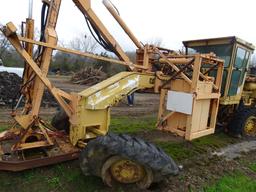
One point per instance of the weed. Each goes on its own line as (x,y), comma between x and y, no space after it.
(54,182)
(253,167)
(235,182)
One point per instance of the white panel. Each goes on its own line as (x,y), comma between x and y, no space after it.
(180,102)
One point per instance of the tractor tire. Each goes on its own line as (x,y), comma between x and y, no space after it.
(60,121)
(156,163)
(243,123)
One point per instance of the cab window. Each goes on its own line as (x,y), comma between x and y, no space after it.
(240,57)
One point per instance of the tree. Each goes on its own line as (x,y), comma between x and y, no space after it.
(131,55)
(84,43)
(4,45)
(70,62)
(8,54)
(156,42)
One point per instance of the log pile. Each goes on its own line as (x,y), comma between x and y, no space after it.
(89,76)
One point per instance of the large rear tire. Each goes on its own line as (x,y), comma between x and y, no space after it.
(243,123)
(146,161)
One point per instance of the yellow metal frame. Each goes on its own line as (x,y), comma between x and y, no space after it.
(206,91)
(89,114)
(235,42)
(89,110)
(92,113)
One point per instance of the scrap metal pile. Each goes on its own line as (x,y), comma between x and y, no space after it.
(89,76)
(10,85)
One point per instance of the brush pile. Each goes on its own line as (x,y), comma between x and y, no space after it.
(89,76)
(10,85)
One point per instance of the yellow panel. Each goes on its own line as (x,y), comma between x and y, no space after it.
(93,112)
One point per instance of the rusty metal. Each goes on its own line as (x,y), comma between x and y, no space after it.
(28,159)
(16,166)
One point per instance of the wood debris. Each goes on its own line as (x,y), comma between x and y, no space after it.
(89,76)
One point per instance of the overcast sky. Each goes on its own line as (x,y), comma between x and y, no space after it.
(168,20)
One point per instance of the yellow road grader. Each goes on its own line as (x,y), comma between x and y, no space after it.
(199,88)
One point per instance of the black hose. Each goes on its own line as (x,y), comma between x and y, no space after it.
(40,50)
(44,16)
(98,37)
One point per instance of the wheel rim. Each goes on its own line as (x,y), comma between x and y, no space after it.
(126,171)
(250,126)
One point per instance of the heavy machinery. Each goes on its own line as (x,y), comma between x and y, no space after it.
(237,103)
(190,100)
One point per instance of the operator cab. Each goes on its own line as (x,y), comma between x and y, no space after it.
(236,53)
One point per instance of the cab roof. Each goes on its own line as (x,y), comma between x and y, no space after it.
(219,41)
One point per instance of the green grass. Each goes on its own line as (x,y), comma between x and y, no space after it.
(3,127)
(185,149)
(253,167)
(177,151)
(215,141)
(132,124)
(63,177)
(235,182)
(68,176)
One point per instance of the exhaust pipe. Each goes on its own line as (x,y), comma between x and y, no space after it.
(114,13)
(30,9)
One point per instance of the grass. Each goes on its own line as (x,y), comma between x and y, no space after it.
(253,167)
(132,124)
(235,182)
(176,149)
(63,177)
(3,127)
(185,149)
(68,176)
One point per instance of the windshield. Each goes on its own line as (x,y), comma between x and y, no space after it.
(222,51)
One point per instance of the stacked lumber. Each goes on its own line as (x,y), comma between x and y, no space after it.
(89,76)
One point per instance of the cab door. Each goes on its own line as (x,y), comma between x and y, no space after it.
(240,67)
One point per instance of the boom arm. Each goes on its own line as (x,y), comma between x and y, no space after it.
(85,7)
(88,111)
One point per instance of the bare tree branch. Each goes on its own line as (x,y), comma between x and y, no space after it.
(4,45)
(155,41)
(84,43)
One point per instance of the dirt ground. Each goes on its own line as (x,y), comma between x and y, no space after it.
(206,169)
(145,104)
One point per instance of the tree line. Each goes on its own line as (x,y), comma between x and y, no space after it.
(68,63)
(64,62)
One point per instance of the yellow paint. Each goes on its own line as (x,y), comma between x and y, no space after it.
(250,126)
(126,171)
(92,116)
